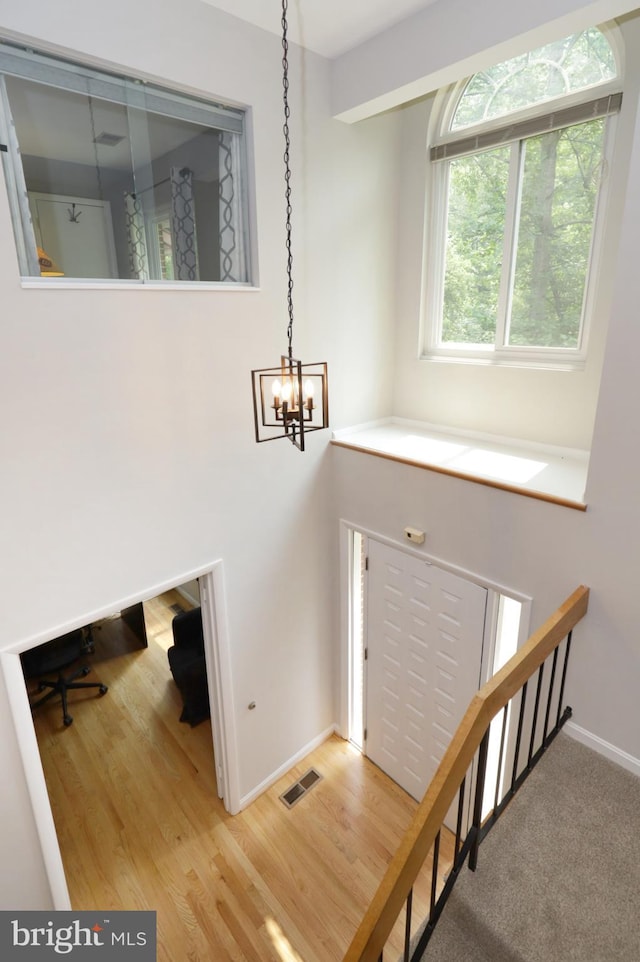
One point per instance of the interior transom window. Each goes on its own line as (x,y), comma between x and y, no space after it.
(113,178)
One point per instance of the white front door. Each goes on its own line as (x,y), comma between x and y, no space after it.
(424,635)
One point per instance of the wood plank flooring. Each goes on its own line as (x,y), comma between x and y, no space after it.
(140,825)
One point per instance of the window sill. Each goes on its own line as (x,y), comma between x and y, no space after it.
(532,362)
(120,284)
(553,474)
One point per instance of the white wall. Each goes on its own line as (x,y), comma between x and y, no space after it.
(533,548)
(127,427)
(529,546)
(126,433)
(451,39)
(19,842)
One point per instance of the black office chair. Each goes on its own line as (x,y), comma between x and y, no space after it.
(54,657)
(188,666)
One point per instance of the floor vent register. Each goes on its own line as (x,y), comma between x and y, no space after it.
(301,787)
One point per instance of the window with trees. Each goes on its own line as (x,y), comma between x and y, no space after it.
(517,197)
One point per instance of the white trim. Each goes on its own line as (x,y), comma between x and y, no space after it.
(106,610)
(344,634)
(455,569)
(340,433)
(119,284)
(507,356)
(518,444)
(357,630)
(34,776)
(513,207)
(218,660)
(616,755)
(220,679)
(288,765)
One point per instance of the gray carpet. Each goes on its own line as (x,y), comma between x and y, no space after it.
(558,878)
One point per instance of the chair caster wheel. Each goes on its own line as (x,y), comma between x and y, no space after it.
(86,670)
(103,689)
(41,688)
(67,720)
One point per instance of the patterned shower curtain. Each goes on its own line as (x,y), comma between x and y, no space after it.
(183,225)
(136,238)
(233,261)
(231,226)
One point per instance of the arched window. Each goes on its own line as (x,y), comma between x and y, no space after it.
(516,203)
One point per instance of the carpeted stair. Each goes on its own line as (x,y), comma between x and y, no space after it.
(558,877)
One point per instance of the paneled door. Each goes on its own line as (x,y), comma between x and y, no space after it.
(424,636)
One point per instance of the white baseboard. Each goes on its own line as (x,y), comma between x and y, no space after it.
(268,782)
(604,748)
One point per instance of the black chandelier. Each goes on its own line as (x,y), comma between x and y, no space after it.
(289,400)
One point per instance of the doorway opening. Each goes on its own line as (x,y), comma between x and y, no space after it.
(502,627)
(356,638)
(506,636)
(217,654)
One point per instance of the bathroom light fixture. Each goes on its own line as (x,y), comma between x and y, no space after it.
(289,400)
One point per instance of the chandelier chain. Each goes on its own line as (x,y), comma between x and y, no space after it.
(287,169)
(293,407)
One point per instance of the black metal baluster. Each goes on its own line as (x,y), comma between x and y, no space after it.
(500,756)
(434,874)
(549,699)
(535,713)
(519,736)
(477,808)
(407,927)
(564,677)
(459,823)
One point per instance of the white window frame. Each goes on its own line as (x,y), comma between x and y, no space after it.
(500,353)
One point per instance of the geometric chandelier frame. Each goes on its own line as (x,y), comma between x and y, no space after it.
(290,400)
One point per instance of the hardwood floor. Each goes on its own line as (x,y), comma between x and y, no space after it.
(140,825)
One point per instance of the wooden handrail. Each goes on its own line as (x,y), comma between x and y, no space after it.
(427,821)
